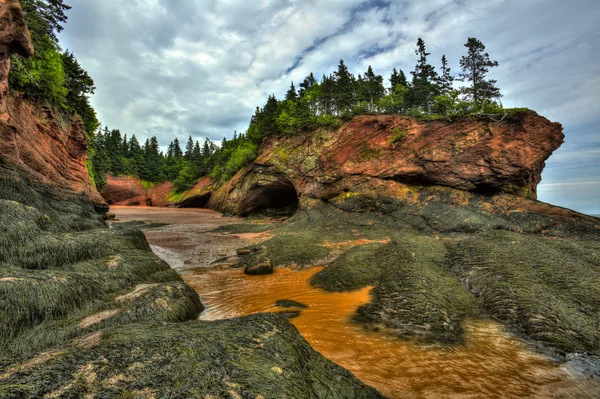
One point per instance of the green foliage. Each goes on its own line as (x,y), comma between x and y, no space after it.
(397,135)
(287,122)
(185,180)
(367,153)
(449,104)
(328,121)
(41,76)
(240,157)
(475,66)
(395,101)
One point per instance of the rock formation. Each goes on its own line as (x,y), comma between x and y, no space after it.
(132,191)
(37,143)
(470,154)
(88,311)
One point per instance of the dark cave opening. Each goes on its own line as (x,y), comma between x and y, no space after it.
(274,199)
(197,201)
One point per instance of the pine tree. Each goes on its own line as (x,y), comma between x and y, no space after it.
(291,94)
(445,80)
(177,153)
(372,88)
(424,87)
(344,88)
(475,66)
(306,85)
(189,149)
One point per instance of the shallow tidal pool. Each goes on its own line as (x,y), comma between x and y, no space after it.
(490,364)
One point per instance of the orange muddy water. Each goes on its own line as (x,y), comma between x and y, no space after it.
(491,363)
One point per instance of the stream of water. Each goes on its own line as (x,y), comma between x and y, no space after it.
(491,363)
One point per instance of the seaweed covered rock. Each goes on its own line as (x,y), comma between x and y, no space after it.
(88,311)
(437,256)
(202,360)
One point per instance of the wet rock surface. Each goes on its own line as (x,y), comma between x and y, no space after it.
(91,311)
(288,303)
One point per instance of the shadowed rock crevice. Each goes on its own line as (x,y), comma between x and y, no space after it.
(278,198)
(198,201)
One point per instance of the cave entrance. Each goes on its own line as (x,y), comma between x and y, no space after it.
(278,198)
(197,201)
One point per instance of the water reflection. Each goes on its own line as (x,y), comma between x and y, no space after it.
(490,364)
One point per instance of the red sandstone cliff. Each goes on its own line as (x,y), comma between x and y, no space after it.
(472,154)
(466,158)
(35,142)
(131,191)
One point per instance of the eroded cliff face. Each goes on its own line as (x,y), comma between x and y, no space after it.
(376,155)
(385,155)
(37,144)
(132,191)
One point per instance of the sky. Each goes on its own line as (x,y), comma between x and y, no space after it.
(175,68)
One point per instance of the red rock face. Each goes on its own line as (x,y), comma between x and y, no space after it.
(130,191)
(473,154)
(476,155)
(36,142)
(384,154)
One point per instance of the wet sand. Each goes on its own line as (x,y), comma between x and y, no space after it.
(187,242)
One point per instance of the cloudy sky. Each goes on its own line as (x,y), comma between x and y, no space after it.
(174,68)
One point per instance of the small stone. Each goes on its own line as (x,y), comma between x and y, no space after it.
(244,252)
(277,370)
(288,303)
(261,268)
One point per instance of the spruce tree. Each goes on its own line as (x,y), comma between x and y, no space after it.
(445,80)
(475,66)
(327,98)
(344,88)
(373,89)
(189,149)
(177,153)
(424,87)
(291,94)
(306,85)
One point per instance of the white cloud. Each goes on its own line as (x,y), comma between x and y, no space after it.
(201,67)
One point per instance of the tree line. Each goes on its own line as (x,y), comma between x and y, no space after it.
(55,77)
(341,95)
(52,75)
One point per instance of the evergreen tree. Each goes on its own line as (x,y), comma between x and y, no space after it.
(152,169)
(291,94)
(125,147)
(445,80)
(372,88)
(328,93)
(475,66)
(177,152)
(307,84)
(135,151)
(343,89)
(189,149)
(424,87)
